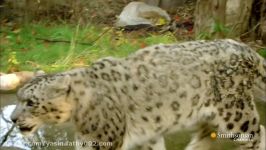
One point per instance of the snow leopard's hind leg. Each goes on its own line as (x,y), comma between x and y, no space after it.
(154,144)
(201,140)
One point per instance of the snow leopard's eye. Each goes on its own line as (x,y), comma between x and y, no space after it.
(29,103)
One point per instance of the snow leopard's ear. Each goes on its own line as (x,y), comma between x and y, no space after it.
(59,85)
(39,73)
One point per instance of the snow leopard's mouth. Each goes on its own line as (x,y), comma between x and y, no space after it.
(26,129)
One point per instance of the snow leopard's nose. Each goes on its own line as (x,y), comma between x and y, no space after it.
(13,118)
(15,115)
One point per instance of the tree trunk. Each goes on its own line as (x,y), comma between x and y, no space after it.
(222,18)
(238,14)
(208,14)
(168,5)
(263,22)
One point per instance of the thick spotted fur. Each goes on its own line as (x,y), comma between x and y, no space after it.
(134,101)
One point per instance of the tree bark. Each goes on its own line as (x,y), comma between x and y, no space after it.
(238,13)
(208,13)
(263,22)
(169,5)
(222,18)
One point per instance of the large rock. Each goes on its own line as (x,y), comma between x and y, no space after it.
(11,81)
(139,13)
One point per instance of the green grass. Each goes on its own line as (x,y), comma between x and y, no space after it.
(262,52)
(21,48)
